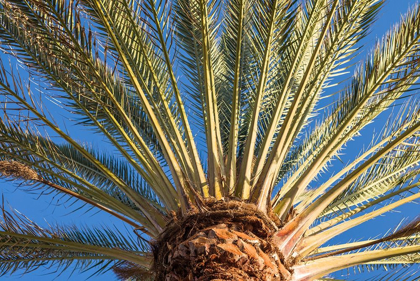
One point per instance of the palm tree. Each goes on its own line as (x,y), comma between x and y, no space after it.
(214,156)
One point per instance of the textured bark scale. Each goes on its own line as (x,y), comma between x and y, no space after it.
(228,241)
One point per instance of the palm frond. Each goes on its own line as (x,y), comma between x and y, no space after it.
(26,245)
(235,35)
(252,77)
(57,166)
(99,110)
(391,71)
(337,47)
(309,215)
(376,252)
(13,91)
(268,30)
(407,231)
(158,14)
(315,269)
(398,189)
(196,28)
(393,127)
(114,19)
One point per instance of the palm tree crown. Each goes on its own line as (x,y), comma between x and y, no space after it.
(209,108)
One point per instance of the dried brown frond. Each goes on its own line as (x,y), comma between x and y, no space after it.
(16,170)
(130,271)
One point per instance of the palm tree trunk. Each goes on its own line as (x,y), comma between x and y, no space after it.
(228,241)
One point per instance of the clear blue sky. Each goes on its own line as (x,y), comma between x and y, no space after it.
(41,209)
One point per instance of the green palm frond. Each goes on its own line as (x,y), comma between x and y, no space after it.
(365,103)
(54,159)
(196,27)
(357,258)
(393,127)
(400,274)
(58,171)
(26,245)
(140,202)
(309,214)
(206,109)
(269,32)
(406,237)
(344,213)
(236,49)
(338,47)
(400,237)
(98,109)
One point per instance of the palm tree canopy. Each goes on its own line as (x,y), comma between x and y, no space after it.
(203,102)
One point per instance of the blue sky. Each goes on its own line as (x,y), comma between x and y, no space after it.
(44,209)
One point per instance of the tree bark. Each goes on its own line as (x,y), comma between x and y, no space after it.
(230,241)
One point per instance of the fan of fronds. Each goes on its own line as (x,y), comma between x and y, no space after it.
(200,99)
